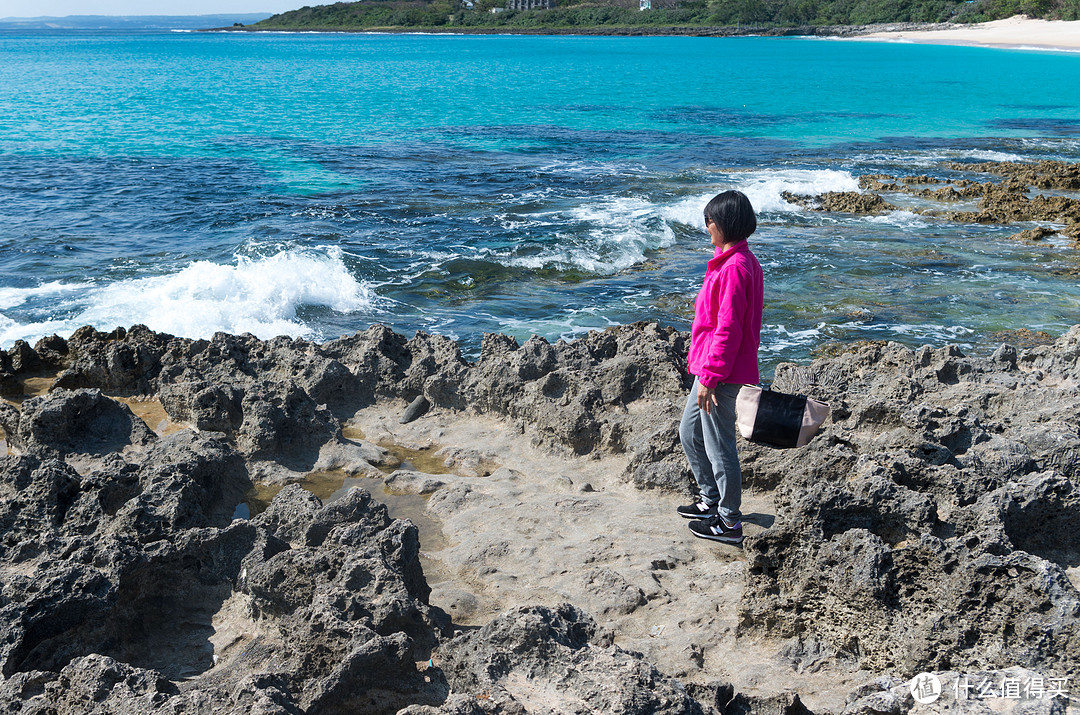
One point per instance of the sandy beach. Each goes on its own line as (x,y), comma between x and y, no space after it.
(1019,32)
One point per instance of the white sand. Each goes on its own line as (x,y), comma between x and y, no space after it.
(1015,32)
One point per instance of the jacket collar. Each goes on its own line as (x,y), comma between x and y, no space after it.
(719,257)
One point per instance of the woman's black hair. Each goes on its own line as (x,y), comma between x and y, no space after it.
(733,215)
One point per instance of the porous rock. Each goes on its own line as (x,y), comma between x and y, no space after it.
(72,422)
(280,399)
(851,202)
(1037,233)
(929,526)
(118,583)
(548,660)
(918,530)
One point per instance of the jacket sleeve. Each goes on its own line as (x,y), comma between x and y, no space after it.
(727,337)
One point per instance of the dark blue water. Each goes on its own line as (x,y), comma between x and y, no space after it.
(313,184)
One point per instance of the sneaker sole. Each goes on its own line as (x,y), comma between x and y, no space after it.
(695,516)
(722,539)
(733,542)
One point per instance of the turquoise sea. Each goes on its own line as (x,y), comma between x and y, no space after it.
(312,184)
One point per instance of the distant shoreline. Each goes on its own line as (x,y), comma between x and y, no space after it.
(635,31)
(1013,33)
(1017,32)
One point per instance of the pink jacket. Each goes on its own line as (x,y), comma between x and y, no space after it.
(726,332)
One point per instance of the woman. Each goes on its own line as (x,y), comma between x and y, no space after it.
(723,356)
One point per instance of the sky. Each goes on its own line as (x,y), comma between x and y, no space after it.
(60,8)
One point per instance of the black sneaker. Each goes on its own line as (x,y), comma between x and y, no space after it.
(700,509)
(717,530)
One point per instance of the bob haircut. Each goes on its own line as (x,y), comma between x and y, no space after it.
(733,215)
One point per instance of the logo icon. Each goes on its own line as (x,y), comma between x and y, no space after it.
(925,688)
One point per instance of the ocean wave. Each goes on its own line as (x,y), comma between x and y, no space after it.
(255,295)
(568,325)
(926,159)
(903,219)
(765,190)
(778,339)
(14,297)
(603,237)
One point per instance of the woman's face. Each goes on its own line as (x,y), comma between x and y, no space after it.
(714,233)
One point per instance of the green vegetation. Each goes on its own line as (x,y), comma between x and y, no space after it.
(617,14)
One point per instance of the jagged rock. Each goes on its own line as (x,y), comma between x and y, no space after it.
(281,422)
(658,462)
(268,396)
(841,201)
(107,551)
(920,493)
(289,513)
(121,361)
(921,179)
(1008,203)
(72,422)
(117,581)
(206,407)
(52,350)
(1043,174)
(354,598)
(22,358)
(1061,358)
(928,526)
(94,685)
(435,372)
(1003,202)
(548,660)
(879,182)
(948,193)
(9,385)
(377,356)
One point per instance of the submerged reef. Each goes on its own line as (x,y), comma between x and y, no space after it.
(929,527)
(1006,200)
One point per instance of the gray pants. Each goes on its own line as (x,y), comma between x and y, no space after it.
(709,443)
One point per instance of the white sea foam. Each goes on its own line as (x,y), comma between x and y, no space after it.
(765,190)
(255,295)
(925,159)
(602,237)
(777,339)
(904,219)
(572,323)
(14,297)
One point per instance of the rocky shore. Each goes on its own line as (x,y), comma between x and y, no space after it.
(187,561)
(1003,199)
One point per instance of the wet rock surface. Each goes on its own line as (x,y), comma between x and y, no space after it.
(1022,192)
(929,527)
(851,202)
